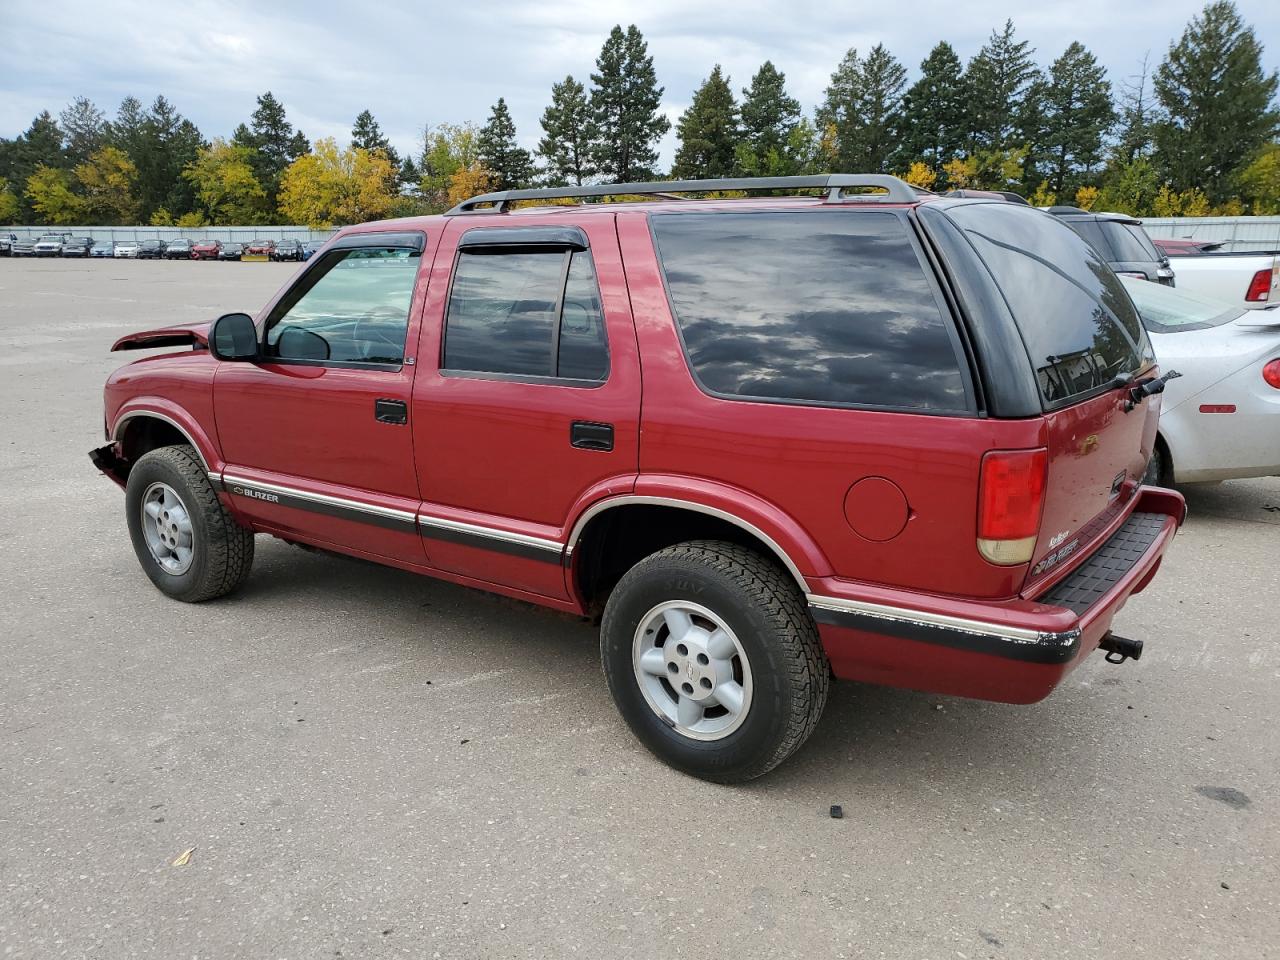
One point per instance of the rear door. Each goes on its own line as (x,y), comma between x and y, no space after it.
(1083,336)
(527,399)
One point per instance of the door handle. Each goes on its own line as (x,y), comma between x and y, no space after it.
(591,436)
(390,411)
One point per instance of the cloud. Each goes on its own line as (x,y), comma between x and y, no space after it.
(417,64)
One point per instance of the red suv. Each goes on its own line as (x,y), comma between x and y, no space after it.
(882,436)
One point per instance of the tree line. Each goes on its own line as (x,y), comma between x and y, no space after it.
(1195,135)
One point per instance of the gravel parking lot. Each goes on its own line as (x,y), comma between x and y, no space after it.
(369,763)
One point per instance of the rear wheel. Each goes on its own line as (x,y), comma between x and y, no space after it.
(713,660)
(186,541)
(1159,469)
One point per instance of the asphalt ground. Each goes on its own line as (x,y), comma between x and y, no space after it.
(366,763)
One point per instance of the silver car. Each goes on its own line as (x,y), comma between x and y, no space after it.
(50,245)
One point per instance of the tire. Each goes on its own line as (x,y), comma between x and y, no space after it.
(778,667)
(220,550)
(1159,470)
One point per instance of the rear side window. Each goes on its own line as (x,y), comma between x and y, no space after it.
(827,307)
(1129,241)
(1079,326)
(526,313)
(1091,230)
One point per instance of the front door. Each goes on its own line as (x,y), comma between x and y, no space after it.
(316,436)
(527,400)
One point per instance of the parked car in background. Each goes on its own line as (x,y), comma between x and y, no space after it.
(258,250)
(1234,271)
(50,245)
(178,249)
(287,250)
(77,246)
(1121,241)
(1221,419)
(230,251)
(6,243)
(310,248)
(206,249)
(1183,247)
(958,507)
(102,248)
(22,247)
(151,250)
(125,249)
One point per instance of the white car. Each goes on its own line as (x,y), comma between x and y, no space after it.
(1221,419)
(1234,271)
(127,249)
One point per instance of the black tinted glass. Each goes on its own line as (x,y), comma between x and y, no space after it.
(1093,235)
(1130,242)
(502,312)
(1079,326)
(584,347)
(507,315)
(352,307)
(816,307)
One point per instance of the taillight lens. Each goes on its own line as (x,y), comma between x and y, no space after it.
(1010,503)
(1271,373)
(1259,287)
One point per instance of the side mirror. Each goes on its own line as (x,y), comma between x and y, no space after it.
(233,337)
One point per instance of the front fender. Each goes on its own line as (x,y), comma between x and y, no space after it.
(174,415)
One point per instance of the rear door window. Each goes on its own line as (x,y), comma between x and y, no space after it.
(526,314)
(828,307)
(1078,324)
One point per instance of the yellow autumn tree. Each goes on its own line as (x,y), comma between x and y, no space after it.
(50,193)
(1043,196)
(225,184)
(10,209)
(1086,197)
(108,181)
(333,186)
(962,172)
(469,182)
(921,175)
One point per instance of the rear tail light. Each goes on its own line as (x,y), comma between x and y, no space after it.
(1010,502)
(1259,287)
(1271,373)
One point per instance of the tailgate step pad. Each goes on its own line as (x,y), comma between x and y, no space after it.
(1108,564)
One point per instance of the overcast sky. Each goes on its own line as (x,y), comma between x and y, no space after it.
(416,63)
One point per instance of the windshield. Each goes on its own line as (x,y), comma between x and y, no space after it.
(1168,311)
(49,239)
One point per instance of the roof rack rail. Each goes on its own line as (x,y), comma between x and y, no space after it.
(895,190)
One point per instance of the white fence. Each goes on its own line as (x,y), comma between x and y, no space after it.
(237,234)
(1264,231)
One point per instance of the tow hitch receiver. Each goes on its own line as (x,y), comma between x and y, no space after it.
(1119,649)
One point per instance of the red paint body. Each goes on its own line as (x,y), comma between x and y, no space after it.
(494,454)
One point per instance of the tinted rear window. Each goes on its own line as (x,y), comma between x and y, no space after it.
(827,307)
(1079,326)
(1129,241)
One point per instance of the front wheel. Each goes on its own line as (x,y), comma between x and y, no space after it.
(713,660)
(187,542)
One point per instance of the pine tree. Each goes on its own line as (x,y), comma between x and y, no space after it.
(1077,114)
(167,144)
(1218,101)
(625,97)
(769,115)
(275,143)
(40,145)
(499,151)
(367,135)
(569,130)
(85,128)
(708,131)
(125,131)
(998,80)
(864,103)
(934,112)
(1136,117)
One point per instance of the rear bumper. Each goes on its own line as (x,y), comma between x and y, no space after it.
(1014,651)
